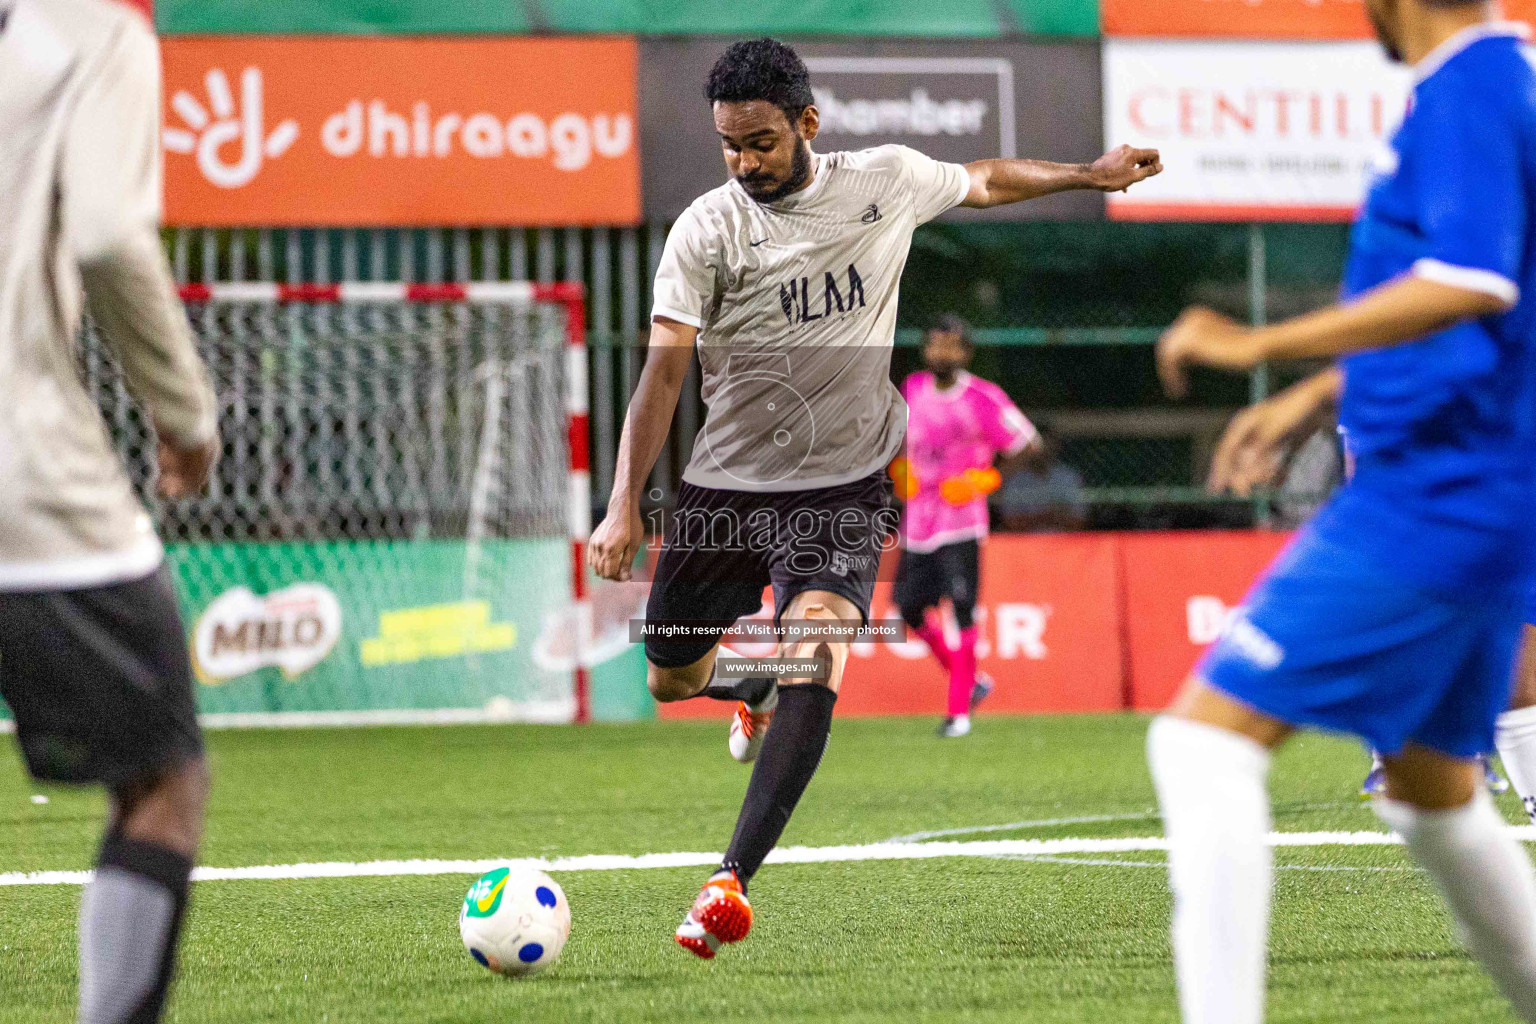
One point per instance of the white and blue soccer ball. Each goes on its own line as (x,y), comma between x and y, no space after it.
(515,920)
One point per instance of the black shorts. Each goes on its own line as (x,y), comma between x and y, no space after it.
(99,680)
(924,578)
(723,547)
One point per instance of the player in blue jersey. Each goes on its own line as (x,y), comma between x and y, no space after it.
(1395,615)
(1254,451)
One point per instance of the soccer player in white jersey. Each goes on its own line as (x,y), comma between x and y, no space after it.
(93,654)
(785,280)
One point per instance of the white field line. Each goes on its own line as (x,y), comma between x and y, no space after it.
(1016,826)
(1104,862)
(994,848)
(1085,819)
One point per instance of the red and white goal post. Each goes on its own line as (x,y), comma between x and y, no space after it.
(368,415)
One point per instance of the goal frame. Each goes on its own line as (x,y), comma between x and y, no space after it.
(571,297)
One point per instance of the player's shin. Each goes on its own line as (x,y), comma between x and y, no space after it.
(1486,878)
(962,673)
(1516,739)
(790,755)
(130,920)
(931,632)
(1211,788)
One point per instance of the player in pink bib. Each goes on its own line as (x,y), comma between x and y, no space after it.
(957,427)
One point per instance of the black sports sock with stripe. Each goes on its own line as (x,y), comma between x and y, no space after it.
(751,689)
(791,752)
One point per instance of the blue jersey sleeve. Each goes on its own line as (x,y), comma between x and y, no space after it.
(1471,190)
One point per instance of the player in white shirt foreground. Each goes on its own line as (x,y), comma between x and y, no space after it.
(93,654)
(785,281)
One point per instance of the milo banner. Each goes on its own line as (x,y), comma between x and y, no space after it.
(387,631)
(399,631)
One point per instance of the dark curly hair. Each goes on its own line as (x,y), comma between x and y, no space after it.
(761,69)
(949,323)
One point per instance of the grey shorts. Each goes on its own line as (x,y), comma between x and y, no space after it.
(99,680)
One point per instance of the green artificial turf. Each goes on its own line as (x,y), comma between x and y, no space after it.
(915,940)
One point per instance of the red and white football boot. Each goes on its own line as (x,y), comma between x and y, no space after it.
(720,915)
(750,725)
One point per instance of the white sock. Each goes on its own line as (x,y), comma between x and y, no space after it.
(1211,787)
(1486,878)
(1517,748)
(126,927)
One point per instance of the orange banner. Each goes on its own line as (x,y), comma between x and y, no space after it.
(360,131)
(1049,634)
(1253,19)
(1179,590)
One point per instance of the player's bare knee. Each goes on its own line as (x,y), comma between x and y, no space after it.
(193,784)
(673,684)
(1525,671)
(166,806)
(1430,780)
(832,654)
(183,791)
(1198,701)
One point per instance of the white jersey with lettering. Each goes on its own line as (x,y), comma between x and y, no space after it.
(795,302)
(79,219)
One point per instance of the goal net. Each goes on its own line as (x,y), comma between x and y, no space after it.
(390,533)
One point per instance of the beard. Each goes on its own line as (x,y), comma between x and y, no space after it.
(944,369)
(1384,35)
(799,172)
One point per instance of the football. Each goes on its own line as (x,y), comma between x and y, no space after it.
(515,920)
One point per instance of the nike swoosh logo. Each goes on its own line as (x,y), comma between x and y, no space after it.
(485,904)
(757,243)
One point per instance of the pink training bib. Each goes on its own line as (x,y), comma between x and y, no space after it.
(949,431)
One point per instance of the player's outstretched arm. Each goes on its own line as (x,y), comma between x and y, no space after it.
(611,551)
(1252,448)
(1401,310)
(1000,182)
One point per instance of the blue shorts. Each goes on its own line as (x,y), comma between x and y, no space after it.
(1328,639)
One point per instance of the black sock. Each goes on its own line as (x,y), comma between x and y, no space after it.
(751,689)
(129,925)
(790,754)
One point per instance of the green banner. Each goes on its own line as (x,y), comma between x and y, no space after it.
(361,631)
(369,625)
(941,18)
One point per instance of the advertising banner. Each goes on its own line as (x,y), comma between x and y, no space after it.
(1049,634)
(1180,589)
(978,18)
(310,628)
(400,131)
(956,101)
(1253,130)
(1254,19)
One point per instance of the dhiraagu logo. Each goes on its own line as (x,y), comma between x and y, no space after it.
(485,895)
